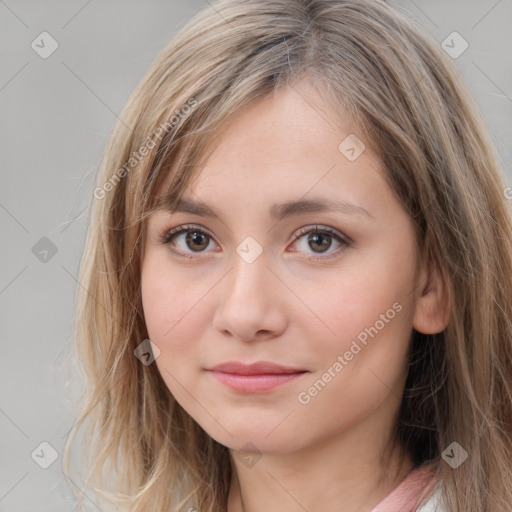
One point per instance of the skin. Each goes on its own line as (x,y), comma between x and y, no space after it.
(290,309)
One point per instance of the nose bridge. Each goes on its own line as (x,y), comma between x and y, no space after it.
(248,277)
(247,303)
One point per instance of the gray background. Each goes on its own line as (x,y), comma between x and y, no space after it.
(56,116)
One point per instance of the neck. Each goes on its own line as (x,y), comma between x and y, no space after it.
(282,485)
(344,472)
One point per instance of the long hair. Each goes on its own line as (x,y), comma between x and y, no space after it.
(406,100)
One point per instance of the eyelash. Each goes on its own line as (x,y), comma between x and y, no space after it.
(170,234)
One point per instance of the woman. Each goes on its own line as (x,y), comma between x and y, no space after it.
(253,372)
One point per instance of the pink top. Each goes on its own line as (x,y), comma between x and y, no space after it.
(409,492)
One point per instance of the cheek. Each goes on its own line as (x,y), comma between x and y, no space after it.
(350,301)
(168,300)
(372,331)
(168,311)
(163,308)
(364,314)
(176,314)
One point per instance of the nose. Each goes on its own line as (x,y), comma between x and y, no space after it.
(250,304)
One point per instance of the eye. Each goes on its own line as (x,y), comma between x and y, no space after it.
(190,239)
(320,240)
(195,239)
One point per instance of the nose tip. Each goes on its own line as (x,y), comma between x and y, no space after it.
(248,335)
(248,305)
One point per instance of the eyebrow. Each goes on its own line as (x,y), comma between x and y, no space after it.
(278,212)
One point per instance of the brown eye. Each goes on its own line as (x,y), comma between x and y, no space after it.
(319,240)
(197,240)
(194,240)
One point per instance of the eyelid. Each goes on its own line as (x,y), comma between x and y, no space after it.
(166,235)
(321,229)
(344,241)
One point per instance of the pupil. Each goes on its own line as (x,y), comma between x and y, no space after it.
(326,243)
(195,237)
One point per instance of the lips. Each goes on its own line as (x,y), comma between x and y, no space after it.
(259,368)
(255,378)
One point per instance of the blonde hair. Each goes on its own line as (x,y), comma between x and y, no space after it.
(406,101)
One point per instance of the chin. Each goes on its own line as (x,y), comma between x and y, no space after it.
(257,441)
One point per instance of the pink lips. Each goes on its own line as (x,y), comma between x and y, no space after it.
(260,376)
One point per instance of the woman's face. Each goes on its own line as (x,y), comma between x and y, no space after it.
(255,284)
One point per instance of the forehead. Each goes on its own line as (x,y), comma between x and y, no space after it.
(288,152)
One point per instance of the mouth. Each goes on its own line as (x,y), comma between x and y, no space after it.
(256,377)
(255,382)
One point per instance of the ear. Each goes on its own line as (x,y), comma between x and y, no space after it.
(432,311)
